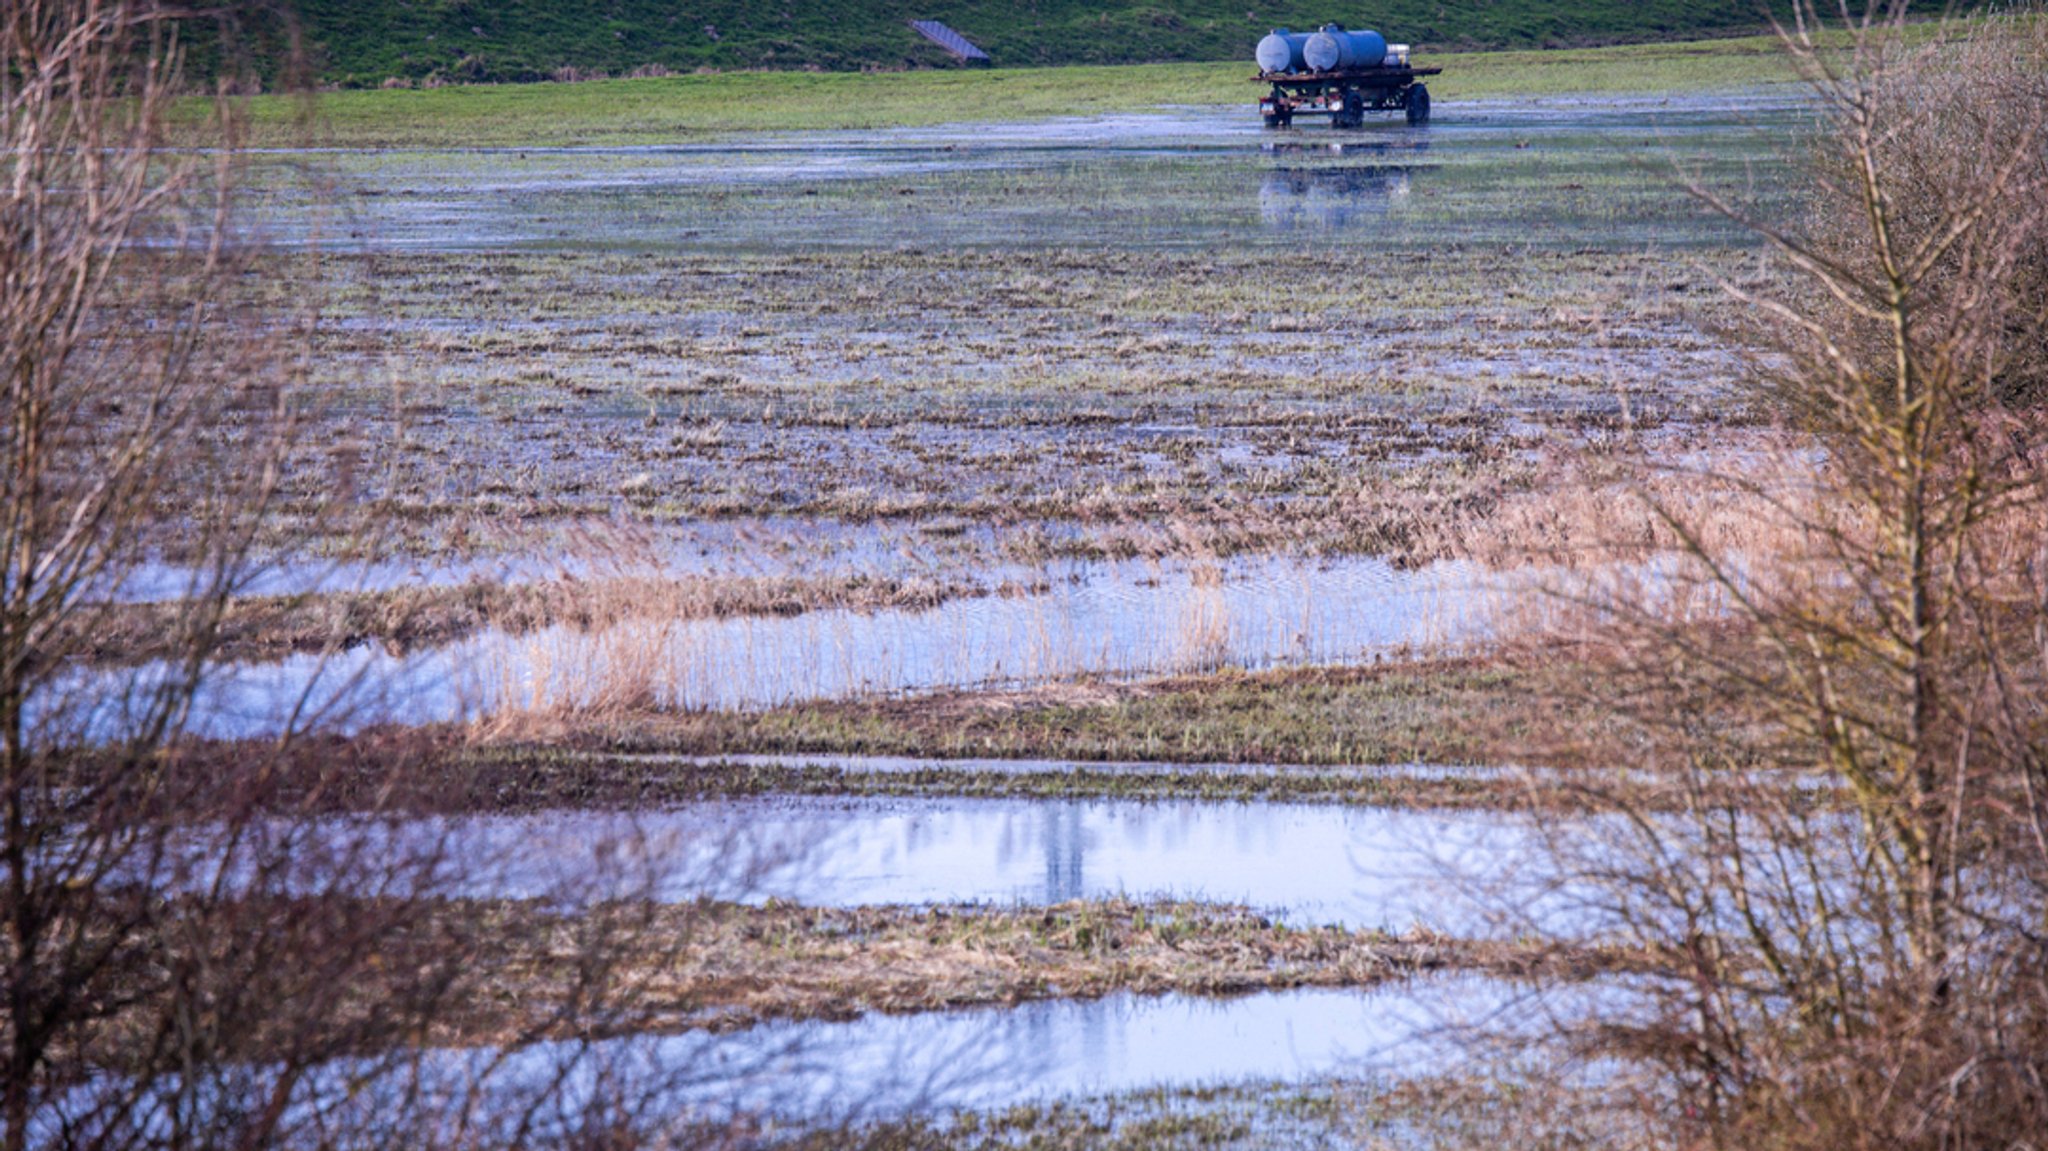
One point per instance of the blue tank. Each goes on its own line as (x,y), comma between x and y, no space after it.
(1333,48)
(1280,51)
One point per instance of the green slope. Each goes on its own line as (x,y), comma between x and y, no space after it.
(365,42)
(684,108)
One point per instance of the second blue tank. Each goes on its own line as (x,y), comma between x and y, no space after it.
(1333,49)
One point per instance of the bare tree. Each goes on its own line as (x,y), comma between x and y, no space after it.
(1846,886)
(210,944)
(120,349)
(155,924)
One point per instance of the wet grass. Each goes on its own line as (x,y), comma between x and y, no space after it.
(1295,735)
(683,108)
(261,628)
(1278,1115)
(1317,720)
(1462,711)
(545,778)
(1482,1109)
(1454,711)
(737,965)
(1111,392)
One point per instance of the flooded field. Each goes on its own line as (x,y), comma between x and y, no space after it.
(1169,332)
(1363,868)
(936,419)
(883,1067)
(1118,619)
(1184,178)
(1121,1052)
(777,611)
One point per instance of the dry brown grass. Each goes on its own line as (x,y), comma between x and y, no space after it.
(272,627)
(745,964)
(1500,709)
(1738,493)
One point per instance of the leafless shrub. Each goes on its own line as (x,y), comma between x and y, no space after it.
(196,947)
(1846,909)
(1601,510)
(1958,117)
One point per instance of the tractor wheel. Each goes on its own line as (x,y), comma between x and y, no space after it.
(1418,105)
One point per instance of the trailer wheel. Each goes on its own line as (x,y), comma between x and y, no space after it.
(1418,105)
(1353,113)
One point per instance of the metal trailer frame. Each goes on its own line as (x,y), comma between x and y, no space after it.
(1345,96)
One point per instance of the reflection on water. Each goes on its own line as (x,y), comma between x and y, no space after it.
(877,1067)
(880,1066)
(1307,863)
(994,1058)
(1325,198)
(1328,185)
(1132,618)
(988,1058)
(1175,178)
(1063,849)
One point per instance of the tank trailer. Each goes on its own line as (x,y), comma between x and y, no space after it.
(1340,74)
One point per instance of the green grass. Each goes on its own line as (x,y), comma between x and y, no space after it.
(363,42)
(684,108)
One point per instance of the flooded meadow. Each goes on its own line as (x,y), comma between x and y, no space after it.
(1146,333)
(983,427)
(1018,607)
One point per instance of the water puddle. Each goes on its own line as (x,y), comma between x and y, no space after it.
(1133,618)
(1498,171)
(1308,864)
(880,1067)
(1119,620)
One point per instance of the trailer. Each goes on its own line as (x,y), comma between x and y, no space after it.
(1345,95)
(1338,73)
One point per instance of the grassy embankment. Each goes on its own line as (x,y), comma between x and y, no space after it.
(685,108)
(364,42)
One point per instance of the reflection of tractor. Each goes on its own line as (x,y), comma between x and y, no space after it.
(1339,74)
